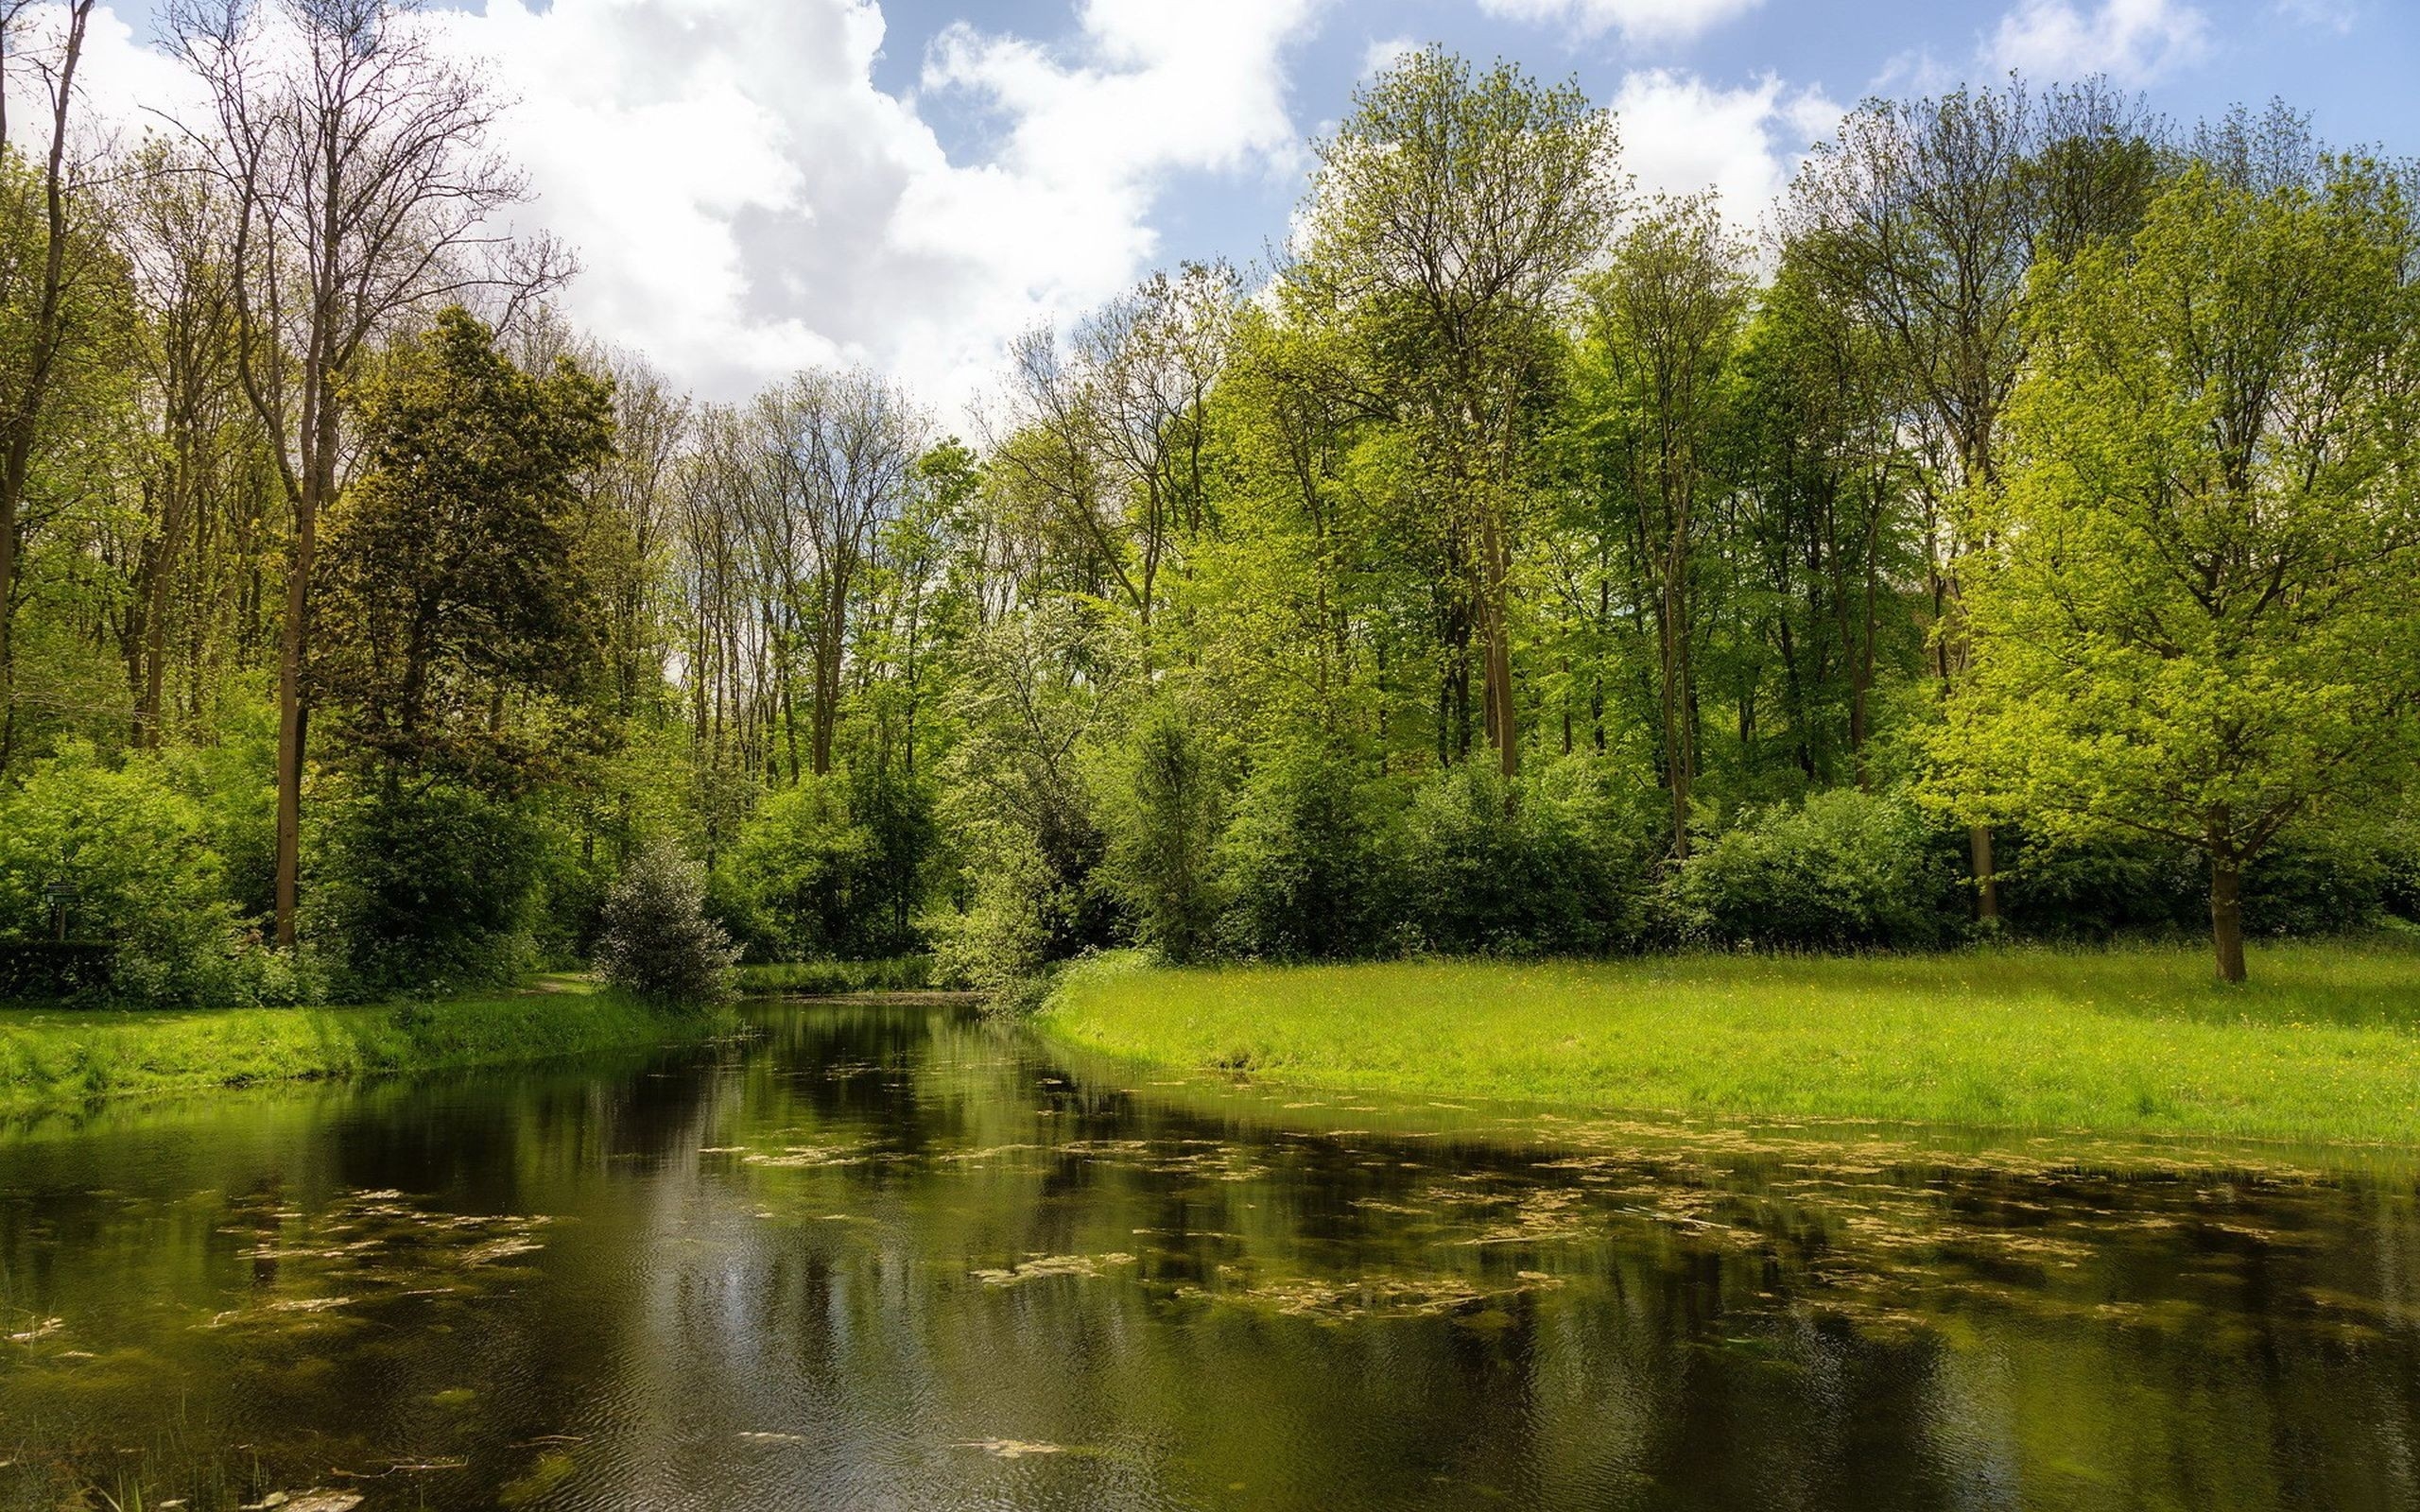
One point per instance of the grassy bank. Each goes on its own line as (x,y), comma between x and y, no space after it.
(2323,1045)
(895,973)
(56,1054)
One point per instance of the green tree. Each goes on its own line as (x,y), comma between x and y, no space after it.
(453,594)
(1668,315)
(2199,622)
(1447,218)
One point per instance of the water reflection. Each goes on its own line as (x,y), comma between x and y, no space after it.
(894,1258)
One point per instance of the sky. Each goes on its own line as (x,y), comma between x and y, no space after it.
(753,186)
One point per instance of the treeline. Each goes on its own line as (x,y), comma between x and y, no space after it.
(2020,537)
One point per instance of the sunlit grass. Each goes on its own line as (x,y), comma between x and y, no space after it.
(2323,1044)
(895,973)
(58,1055)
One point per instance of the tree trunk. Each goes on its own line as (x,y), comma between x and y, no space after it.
(26,405)
(290,718)
(1495,623)
(1987,881)
(2226,916)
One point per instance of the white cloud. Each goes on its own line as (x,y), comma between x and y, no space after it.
(1681,134)
(1381,54)
(1636,20)
(2336,15)
(745,200)
(2131,40)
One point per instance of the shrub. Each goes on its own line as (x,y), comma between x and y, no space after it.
(2102,891)
(150,886)
(1162,818)
(1556,864)
(1015,925)
(798,870)
(1847,871)
(424,888)
(1304,864)
(655,941)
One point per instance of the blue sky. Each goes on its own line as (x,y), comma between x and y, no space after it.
(754,185)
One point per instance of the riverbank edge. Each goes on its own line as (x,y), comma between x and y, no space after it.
(2324,1055)
(52,1057)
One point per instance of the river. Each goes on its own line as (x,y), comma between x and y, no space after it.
(894,1257)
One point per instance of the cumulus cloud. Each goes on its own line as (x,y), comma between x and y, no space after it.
(1681,134)
(2130,40)
(744,199)
(1636,20)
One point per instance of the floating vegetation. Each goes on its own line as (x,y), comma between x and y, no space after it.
(1042,1267)
(1013,1447)
(315,1500)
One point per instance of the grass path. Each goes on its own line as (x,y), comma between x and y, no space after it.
(53,1056)
(2323,1045)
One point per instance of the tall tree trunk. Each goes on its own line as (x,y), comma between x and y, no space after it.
(292,720)
(26,405)
(1987,881)
(1497,629)
(2226,915)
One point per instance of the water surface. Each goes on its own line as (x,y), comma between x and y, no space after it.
(893,1258)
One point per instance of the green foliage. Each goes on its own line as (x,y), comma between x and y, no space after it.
(424,889)
(655,941)
(150,886)
(1162,816)
(798,873)
(2197,622)
(454,571)
(1022,916)
(1847,871)
(1306,863)
(1557,865)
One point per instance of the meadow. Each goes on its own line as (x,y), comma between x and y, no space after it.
(2324,1045)
(53,1056)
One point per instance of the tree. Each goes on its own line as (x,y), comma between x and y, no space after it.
(1667,318)
(39,278)
(839,451)
(2197,621)
(454,578)
(1924,217)
(354,152)
(1449,213)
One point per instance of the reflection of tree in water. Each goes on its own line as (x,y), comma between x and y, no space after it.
(892,1257)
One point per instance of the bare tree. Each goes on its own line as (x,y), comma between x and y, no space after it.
(365,195)
(841,450)
(32,370)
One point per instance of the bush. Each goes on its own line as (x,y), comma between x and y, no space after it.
(150,886)
(1847,871)
(656,942)
(1163,815)
(2310,882)
(2101,891)
(424,888)
(1557,863)
(1304,864)
(1017,923)
(796,873)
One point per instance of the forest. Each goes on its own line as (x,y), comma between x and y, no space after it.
(2011,533)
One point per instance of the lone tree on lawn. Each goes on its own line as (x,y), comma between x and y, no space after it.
(2201,617)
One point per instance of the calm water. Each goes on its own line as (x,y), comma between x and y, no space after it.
(893,1258)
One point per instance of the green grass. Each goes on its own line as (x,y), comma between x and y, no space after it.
(2324,1045)
(897,973)
(52,1055)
